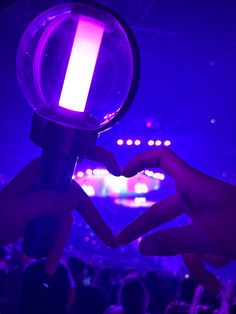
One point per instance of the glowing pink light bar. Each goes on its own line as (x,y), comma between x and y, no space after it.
(81,66)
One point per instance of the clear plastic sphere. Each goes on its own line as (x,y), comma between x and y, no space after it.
(75,65)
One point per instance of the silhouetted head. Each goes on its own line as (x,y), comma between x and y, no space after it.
(91,300)
(232,309)
(77,269)
(187,290)
(42,293)
(133,296)
(105,277)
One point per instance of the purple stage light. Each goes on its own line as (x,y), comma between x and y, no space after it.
(137,142)
(149,124)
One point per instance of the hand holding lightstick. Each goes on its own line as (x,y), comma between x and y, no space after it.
(78,68)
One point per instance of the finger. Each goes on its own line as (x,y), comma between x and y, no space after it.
(91,215)
(156,215)
(38,203)
(106,158)
(199,273)
(216,261)
(158,158)
(63,232)
(189,238)
(25,180)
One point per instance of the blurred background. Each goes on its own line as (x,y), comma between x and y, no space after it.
(186,100)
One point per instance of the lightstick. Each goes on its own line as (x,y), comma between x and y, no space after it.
(78,68)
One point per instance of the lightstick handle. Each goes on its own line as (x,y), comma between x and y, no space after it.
(61,146)
(55,173)
(56,170)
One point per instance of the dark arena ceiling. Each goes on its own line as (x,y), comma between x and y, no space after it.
(187,85)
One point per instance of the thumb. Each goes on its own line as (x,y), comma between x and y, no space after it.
(63,231)
(189,238)
(199,273)
(105,157)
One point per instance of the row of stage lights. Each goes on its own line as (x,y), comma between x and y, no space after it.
(139,187)
(104,172)
(130,142)
(99,182)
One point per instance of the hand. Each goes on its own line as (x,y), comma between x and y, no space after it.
(19,203)
(211,205)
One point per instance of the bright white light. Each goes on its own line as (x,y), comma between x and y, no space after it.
(100,172)
(151,143)
(82,62)
(167,143)
(140,200)
(159,176)
(141,188)
(120,142)
(89,172)
(132,203)
(129,142)
(95,172)
(149,173)
(117,185)
(80,174)
(73,177)
(88,189)
(137,142)
(158,143)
